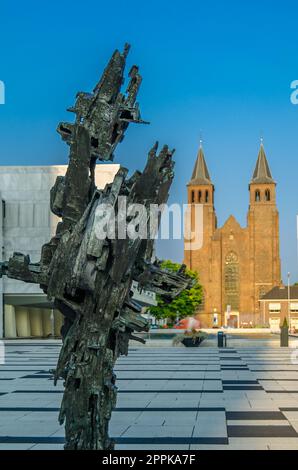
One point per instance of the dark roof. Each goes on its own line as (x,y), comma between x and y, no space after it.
(262,173)
(200,174)
(281,293)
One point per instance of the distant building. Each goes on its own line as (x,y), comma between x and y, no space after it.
(236,265)
(280,303)
(142,296)
(26,223)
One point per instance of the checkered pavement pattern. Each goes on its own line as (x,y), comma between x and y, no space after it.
(169,398)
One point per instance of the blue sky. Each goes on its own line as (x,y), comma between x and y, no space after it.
(220,67)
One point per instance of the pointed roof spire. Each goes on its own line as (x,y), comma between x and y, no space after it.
(200,174)
(262,173)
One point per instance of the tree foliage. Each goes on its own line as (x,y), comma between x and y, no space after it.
(185,304)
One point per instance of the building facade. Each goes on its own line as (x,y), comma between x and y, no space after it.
(236,265)
(278,304)
(26,223)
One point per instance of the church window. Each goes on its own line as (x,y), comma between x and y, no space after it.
(192,196)
(231,279)
(207,196)
(257,196)
(200,197)
(267,195)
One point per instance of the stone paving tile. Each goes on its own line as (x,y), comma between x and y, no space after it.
(11,416)
(243,444)
(120,417)
(264,404)
(237,444)
(186,417)
(258,422)
(17,446)
(291,415)
(283,444)
(128,403)
(154,418)
(28,428)
(47,447)
(39,417)
(294,424)
(117,430)
(211,424)
(171,398)
(59,433)
(152,446)
(237,406)
(174,404)
(152,431)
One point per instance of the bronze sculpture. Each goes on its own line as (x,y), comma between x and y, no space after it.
(89,278)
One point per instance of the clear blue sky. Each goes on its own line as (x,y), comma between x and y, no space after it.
(223,67)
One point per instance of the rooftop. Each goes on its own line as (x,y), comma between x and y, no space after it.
(281,293)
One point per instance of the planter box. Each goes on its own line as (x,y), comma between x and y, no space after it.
(190,343)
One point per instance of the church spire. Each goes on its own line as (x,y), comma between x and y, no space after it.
(200,174)
(262,173)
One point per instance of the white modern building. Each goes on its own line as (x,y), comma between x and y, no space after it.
(26,223)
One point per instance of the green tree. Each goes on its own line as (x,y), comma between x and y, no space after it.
(185,304)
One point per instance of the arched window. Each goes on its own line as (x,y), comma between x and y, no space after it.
(267,195)
(257,196)
(231,280)
(206,196)
(200,197)
(192,196)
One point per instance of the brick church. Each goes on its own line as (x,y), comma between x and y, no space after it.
(236,265)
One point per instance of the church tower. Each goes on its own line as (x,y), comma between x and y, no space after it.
(236,265)
(200,191)
(263,226)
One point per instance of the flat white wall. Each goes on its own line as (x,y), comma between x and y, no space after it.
(28,222)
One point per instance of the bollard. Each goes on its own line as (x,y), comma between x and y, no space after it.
(220,339)
(284,334)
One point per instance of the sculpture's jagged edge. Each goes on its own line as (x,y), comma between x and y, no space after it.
(89,279)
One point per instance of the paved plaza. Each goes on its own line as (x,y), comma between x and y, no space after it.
(169,398)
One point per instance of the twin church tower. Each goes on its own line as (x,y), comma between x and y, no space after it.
(236,265)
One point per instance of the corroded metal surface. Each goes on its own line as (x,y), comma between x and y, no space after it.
(89,279)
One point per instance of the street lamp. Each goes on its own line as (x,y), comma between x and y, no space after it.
(289,301)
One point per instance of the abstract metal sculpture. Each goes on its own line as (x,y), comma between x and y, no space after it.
(88,278)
